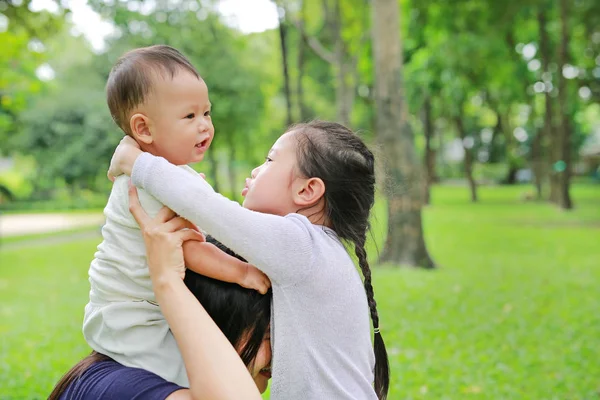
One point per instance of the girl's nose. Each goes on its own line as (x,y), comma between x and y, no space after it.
(255,172)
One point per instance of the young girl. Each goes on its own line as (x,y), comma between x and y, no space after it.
(314,192)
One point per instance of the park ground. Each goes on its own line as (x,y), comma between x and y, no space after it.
(511,312)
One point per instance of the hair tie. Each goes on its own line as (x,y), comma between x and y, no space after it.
(376,331)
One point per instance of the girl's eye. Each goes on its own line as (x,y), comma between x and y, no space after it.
(190,116)
(267,159)
(207,114)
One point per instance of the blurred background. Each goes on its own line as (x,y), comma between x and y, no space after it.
(485,118)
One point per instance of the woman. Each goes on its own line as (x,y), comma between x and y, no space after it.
(243,316)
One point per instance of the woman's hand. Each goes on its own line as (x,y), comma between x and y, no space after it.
(123,158)
(164,236)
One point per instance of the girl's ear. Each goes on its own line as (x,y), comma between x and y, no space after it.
(308,191)
(140,130)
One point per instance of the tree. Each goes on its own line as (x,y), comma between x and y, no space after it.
(405,243)
(22,51)
(284,63)
(564,145)
(71,139)
(344,56)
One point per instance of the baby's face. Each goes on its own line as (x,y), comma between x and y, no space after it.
(179,119)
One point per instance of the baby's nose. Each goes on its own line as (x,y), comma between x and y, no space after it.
(203,126)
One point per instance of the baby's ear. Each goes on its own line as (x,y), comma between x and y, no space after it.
(138,124)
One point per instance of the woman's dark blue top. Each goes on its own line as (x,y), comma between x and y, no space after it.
(113,381)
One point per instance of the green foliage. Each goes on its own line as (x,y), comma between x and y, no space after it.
(71,130)
(464,57)
(22,51)
(511,313)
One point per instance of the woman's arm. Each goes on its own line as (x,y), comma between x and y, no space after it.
(214,369)
(280,246)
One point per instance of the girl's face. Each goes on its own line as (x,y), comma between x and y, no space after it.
(269,189)
(261,370)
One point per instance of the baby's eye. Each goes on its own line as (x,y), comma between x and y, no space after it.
(267,159)
(190,116)
(207,114)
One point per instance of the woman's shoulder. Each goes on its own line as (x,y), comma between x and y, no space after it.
(109,379)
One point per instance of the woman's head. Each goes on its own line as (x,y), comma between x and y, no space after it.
(243,315)
(326,172)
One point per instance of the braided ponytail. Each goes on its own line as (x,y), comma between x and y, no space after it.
(339,157)
(382,366)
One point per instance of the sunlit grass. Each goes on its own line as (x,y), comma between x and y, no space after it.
(512,312)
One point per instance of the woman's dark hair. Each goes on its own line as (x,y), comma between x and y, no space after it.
(337,156)
(243,315)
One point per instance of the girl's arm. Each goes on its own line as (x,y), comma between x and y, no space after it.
(280,246)
(214,369)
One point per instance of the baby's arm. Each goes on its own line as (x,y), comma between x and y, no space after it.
(208,260)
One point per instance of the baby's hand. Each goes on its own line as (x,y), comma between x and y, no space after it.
(123,158)
(255,279)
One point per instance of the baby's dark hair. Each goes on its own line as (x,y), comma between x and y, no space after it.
(132,78)
(336,155)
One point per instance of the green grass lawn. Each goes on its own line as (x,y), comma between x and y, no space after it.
(512,312)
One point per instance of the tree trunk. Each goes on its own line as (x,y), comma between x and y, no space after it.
(405,243)
(496,132)
(214,168)
(549,131)
(429,152)
(343,89)
(510,145)
(302,110)
(511,174)
(284,60)
(537,163)
(564,147)
(468,163)
(344,68)
(537,155)
(233,186)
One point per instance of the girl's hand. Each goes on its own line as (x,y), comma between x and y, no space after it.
(164,236)
(123,158)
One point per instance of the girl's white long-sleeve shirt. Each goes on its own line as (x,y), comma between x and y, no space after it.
(320,320)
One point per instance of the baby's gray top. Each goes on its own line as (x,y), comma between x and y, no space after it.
(320,324)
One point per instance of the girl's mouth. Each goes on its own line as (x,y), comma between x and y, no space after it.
(246,188)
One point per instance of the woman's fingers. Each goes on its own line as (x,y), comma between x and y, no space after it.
(192,226)
(136,209)
(190,234)
(164,214)
(176,224)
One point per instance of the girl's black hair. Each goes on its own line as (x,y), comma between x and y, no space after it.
(336,155)
(243,315)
